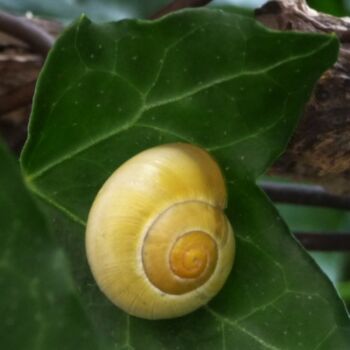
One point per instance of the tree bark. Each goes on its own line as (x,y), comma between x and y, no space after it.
(320,148)
(20,64)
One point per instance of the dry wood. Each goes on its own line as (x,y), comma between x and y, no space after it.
(20,65)
(320,149)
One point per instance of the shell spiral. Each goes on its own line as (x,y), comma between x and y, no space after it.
(158,242)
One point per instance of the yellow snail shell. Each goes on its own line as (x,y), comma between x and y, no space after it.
(158,242)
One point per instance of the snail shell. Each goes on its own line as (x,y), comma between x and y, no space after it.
(157,240)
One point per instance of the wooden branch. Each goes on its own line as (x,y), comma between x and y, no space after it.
(320,149)
(305,195)
(38,40)
(19,97)
(326,242)
(21,28)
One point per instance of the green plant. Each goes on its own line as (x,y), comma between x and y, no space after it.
(108,91)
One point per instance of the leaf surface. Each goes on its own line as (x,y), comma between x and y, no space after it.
(39,306)
(211,78)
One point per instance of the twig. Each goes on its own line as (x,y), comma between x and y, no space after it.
(39,40)
(305,195)
(26,31)
(178,5)
(325,242)
(19,97)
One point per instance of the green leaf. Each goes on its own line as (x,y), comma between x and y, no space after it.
(39,307)
(303,218)
(207,77)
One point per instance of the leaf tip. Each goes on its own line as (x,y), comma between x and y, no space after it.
(83,18)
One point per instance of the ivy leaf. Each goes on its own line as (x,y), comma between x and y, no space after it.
(207,77)
(39,305)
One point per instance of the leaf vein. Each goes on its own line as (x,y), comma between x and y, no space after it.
(233,324)
(234,76)
(146,107)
